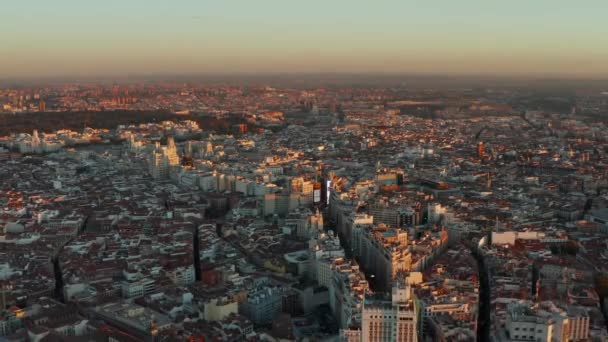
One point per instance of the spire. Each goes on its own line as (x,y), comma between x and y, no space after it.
(171,143)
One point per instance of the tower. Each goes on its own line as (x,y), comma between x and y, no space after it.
(188,148)
(171,144)
(35,137)
(489,180)
(209,149)
(480,149)
(42,106)
(162,159)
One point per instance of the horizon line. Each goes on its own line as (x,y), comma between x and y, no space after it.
(170,76)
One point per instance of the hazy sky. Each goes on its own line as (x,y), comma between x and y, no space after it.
(113,37)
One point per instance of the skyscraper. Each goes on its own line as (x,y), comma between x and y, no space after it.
(162,159)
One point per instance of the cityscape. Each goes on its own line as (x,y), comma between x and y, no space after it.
(304,201)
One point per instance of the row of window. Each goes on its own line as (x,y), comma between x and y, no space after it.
(531,329)
(531,337)
(391,317)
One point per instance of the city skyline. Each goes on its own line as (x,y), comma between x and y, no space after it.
(111,39)
(338,171)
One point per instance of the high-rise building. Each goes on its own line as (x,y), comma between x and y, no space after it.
(307,191)
(390,320)
(42,106)
(162,159)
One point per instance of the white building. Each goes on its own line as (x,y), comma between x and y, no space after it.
(138,288)
(163,158)
(394,320)
(182,276)
(545,322)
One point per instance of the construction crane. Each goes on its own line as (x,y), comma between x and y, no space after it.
(479,133)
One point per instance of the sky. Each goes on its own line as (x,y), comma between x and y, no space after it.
(42,38)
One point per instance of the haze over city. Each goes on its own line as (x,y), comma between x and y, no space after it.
(471,37)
